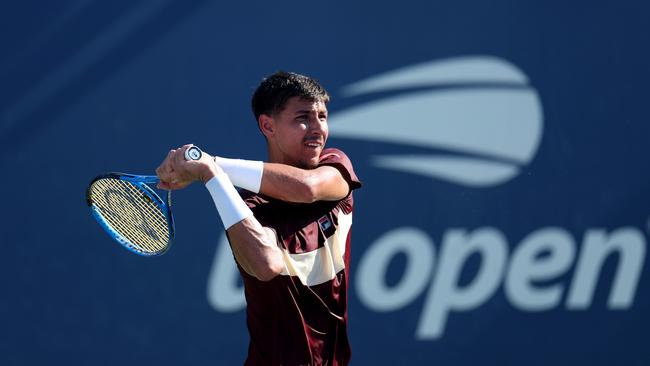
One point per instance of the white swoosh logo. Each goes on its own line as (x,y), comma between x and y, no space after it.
(488,121)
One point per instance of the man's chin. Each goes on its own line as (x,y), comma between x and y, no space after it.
(310,163)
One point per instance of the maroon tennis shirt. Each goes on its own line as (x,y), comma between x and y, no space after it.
(300,316)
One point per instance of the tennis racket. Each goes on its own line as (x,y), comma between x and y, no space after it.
(131,212)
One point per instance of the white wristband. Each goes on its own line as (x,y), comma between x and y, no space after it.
(245,174)
(232,209)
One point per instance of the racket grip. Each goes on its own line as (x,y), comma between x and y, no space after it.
(193,153)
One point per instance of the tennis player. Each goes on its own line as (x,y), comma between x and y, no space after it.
(289,226)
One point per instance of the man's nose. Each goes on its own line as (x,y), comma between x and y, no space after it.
(316,126)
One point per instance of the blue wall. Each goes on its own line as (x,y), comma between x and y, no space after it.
(503,146)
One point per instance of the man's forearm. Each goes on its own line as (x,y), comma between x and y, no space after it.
(279,181)
(285,182)
(291,184)
(255,248)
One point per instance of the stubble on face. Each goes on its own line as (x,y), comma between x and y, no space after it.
(300,133)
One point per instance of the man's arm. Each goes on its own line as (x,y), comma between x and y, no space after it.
(254,246)
(285,182)
(256,249)
(288,183)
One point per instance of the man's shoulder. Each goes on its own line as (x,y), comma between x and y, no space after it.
(332,153)
(338,159)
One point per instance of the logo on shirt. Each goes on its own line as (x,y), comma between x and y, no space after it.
(473,121)
(324,223)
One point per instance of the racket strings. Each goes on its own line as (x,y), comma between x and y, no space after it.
(131,213)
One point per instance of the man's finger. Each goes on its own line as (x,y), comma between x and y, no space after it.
(177,185)
(164,173)
(169,163)
(179,155)
(163,185)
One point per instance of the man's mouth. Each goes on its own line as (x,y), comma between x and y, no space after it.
(313,144)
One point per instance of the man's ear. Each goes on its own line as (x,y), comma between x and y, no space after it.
(266,125)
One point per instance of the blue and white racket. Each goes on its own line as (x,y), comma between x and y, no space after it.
(131,212)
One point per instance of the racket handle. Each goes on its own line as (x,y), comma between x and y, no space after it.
(193,153)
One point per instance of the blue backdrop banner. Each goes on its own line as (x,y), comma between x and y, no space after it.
(503,146)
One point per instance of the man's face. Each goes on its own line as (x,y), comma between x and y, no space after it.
(299,133)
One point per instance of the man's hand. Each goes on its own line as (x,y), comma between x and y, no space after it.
(176,173)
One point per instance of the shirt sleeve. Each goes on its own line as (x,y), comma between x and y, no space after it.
(337,159)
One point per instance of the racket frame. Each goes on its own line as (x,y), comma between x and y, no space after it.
(141,182)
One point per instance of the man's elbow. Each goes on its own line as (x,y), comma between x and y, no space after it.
(313,189)
(316,188)
(271,269)
(311,193)
(306,192)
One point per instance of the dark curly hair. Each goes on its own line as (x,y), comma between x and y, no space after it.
(272,94)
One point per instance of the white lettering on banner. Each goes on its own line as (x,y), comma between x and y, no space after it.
(526,267)
(371,285)
(225,293)
(631,246)
(444,294)
(543,255)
